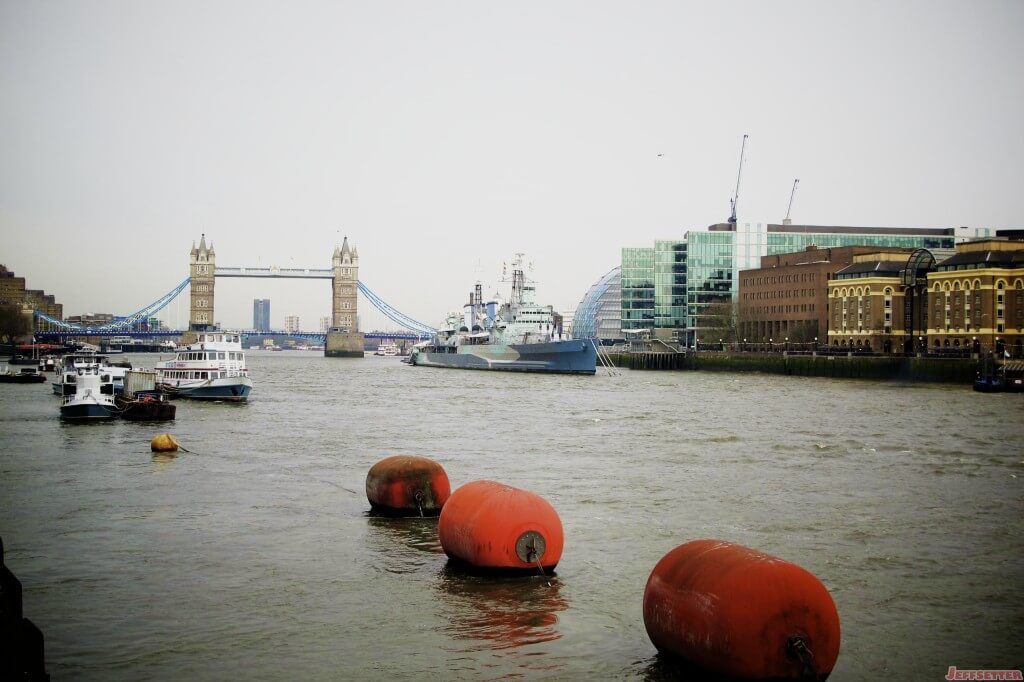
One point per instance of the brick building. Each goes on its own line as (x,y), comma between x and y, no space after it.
(874,306)
(976,298)
(786,299)
(13,292)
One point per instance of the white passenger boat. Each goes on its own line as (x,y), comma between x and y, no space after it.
(93,398)
(67,376)
(387,349)
(212,368)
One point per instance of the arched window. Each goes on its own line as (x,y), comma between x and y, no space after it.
(956,286)
(888,291)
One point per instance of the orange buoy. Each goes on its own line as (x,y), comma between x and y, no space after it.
(403,485)
(737,612)
(163,442)
(493,526)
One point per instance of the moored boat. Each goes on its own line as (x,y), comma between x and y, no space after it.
(93,398)
(72,362)
(212,368)
(141,401)
(22,375)
(387,349)
(517,336)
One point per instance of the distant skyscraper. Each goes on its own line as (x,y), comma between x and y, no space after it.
(261,314)
(291,323)
(325,324)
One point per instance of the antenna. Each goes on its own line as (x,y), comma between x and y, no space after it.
(786,220)
(736,196)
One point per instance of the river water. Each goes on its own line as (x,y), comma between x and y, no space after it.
(253,555)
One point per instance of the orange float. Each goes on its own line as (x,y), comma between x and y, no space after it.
(492,526)
(403,485)
(737,612)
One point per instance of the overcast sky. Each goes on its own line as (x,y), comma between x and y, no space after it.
(443,137)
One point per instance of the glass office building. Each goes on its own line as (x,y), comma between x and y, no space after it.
(670,267)
(637,288)
(706,265)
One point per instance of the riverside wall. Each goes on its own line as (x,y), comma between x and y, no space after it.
(944,370)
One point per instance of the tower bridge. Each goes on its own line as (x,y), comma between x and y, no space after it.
(342,339)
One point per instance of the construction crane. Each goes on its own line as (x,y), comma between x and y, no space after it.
(786,220)
(736,196)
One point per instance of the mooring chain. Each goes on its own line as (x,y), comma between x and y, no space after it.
(797,648)
(418,496)
(532,556)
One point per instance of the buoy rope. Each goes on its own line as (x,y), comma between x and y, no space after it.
(531,551)
(797,648)
(418,496)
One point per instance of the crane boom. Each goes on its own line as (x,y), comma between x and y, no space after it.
(787,221)
(736,196)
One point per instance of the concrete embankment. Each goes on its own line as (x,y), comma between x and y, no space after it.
(946,370)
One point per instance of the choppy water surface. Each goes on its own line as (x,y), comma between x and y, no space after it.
(253,556)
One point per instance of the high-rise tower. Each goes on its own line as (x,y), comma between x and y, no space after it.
(202,263)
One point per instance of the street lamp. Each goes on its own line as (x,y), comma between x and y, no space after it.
(771,344)
(744,344)
(787,344)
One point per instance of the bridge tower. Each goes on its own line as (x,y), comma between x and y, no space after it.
(345,264)
(344,338)
(202,263)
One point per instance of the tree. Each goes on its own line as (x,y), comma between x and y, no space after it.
(720,321)
(14,323)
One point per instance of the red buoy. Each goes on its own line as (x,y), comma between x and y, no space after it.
(737,612)
(405,485)
(493,526)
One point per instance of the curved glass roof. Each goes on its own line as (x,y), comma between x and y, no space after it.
(598,314)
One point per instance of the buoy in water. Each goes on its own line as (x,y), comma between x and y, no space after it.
(492,526)
(164,442)
(736,612)
(404,485)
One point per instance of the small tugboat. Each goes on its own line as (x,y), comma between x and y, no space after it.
(141,401)
(93,398)
(212,368)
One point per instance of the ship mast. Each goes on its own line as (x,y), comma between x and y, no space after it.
(518,279)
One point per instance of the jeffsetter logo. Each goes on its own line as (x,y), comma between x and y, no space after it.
(954,674)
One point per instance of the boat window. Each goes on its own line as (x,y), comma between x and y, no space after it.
(220,356)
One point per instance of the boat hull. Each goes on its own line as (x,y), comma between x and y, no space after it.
(22,378)
(80,412)
(553,357)
(215,389)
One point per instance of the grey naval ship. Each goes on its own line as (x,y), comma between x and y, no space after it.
(514,336)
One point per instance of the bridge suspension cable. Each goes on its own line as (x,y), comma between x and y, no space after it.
(392,314)
(156,306)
